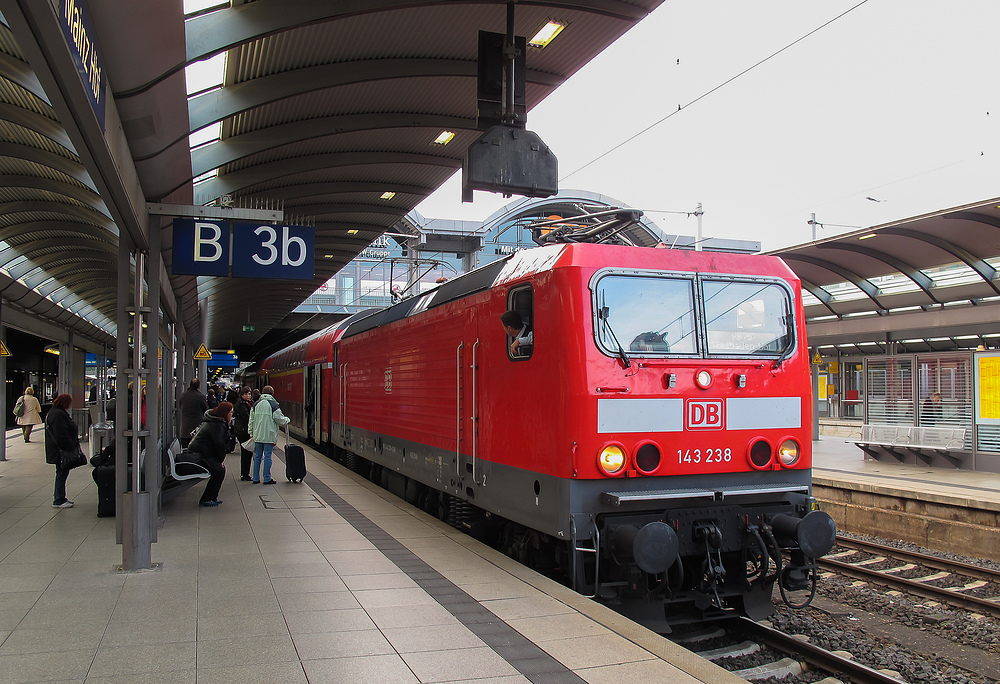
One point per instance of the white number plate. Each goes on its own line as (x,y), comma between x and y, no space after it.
(707,455)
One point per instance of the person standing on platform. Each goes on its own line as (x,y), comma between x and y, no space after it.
(933,411)
(31,413)
(265,420)
(212,444)
(191,406)
(241,424)
(61,433)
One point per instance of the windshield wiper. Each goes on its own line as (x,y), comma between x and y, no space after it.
(603,316)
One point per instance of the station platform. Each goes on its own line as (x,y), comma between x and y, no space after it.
(947,509)
(333,580)
(838,461)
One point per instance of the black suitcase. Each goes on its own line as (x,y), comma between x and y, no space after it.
(295,461)
(104,476)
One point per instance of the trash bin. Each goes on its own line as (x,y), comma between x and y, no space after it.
(101,435)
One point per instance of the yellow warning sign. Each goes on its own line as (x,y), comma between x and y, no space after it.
(817,359)
(202,354)
(3,350)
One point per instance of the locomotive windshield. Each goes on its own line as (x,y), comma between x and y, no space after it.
(646,315)
(657,315)
(747,318)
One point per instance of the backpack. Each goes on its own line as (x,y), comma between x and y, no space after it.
(19,407)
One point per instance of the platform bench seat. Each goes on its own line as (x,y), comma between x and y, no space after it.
(909,437)
(182,472)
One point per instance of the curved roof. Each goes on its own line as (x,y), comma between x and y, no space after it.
(906,279)
(325,108)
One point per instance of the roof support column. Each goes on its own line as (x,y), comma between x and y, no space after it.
(151,467)
(3,383)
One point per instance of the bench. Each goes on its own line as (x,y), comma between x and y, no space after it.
(183,474)
(894,439)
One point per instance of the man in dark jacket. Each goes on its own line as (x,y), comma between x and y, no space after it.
(191,407)
(241,425)
(212,445)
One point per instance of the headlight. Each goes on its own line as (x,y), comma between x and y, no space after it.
(703,379)
(788,452)
(611,459)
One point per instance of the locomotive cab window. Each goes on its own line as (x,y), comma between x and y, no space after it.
(645,315)
(519,325)
(747,319)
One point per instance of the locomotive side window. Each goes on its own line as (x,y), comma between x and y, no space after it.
(747,318)
(645,315)
(519,324)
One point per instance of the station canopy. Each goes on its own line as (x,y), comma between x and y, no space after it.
(332,112)
(927,283)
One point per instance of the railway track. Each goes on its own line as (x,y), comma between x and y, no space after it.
(963,577)
(794,656)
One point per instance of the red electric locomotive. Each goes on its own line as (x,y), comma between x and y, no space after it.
(640,423)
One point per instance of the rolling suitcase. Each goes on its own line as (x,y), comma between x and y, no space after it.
(295,461)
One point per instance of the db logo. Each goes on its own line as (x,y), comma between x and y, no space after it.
(388,380)
(704,414)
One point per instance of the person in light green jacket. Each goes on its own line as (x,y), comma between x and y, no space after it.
(265,419)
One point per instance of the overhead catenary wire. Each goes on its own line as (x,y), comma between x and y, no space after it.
(681,108)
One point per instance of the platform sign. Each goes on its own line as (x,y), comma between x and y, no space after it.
(78,29)
(203,354)
(209,247)
(200,248)
(987,379)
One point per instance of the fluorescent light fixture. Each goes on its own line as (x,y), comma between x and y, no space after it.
(443,138)
(352,232)
(865,237)
(327,256)
(52,349)
(546,34)
(387,195)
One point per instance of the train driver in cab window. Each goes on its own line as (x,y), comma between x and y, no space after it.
(518,330)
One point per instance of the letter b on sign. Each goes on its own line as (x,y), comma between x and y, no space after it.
(704,414)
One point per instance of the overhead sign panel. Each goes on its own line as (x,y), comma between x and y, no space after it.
(208,248)
(78,27)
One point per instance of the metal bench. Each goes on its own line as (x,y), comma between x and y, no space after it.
(182,474)
(900,439)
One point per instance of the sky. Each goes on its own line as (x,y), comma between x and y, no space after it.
(893,100)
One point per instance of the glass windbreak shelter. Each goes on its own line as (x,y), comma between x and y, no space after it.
(937,390)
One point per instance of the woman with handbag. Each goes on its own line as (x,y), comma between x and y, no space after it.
(61,435)
(30,413)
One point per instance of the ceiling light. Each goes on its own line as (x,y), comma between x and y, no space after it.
(327,256)
(352,232)
(52,349)
(387,195)
(444,138)
(865,237)
(546,34)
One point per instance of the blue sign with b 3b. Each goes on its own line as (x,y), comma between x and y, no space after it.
(207,247)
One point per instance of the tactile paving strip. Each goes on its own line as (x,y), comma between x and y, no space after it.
(524,655)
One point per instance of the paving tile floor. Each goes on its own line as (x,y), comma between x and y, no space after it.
(331,581)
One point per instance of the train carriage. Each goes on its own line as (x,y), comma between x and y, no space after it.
(649,439)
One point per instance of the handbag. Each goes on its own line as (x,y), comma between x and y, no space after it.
(19,407)
(72,459)
(248,445)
